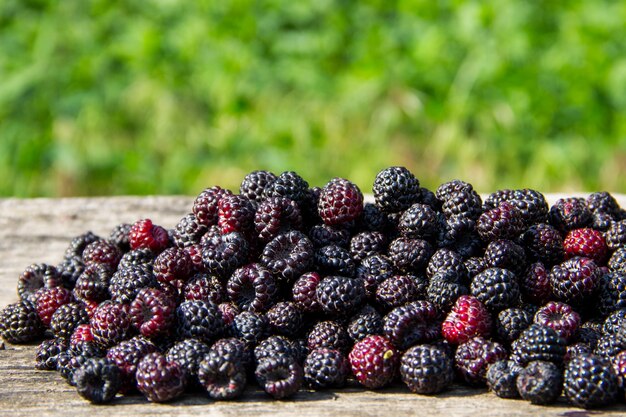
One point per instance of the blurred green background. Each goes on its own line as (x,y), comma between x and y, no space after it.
(171,96)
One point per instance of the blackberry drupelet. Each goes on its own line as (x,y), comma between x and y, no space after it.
(97,380)
(325,368)
(590,382)
(426,369)
(395,189)
(288,255)
(475,265)
(540,382)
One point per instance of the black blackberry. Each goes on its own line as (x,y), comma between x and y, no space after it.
(69,270)
(205,206)
(225,253)
(137,257)
(48,352)
(538,343)
(329,334)
(289,185)
(603,202)
(609,345)
(459,233)
(373,270)
(502,222)
(502,378)
(252,288)
(126,356)
(443,292)
(93,283)
(68,362)
(188,231)
(250,327)
(254,184)
(372,219)
(574,280)
(614,321)
(285,318)
(589,334)
(326,368)
(428,197)
(540,382)
(475,265)
(617,261)
(120,236)
(203,286)
(412,323)
(276,215)
(366,322)
(445,260)
(446,190)
(531,204)
(334,260)
(535,284)
(79,243)
(340,295)
(275,346)
(612,293)
(615,235)
(590,382)
(395,189)
(158,379)
(543,243)
(569,213)
(127,282)
(511,322)
(199,319)
(97,380)
(323,235)
(506,254)
(280,376)
(426,369)
(395,291)
(67,318)
(222,376)
(419,222)
(496,288)
(366,244)
(577,349)
(304,292)
(288,255)
(34,277)
(410,255)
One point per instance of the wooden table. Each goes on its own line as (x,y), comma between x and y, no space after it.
(38,230)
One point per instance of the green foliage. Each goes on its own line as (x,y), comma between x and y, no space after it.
(171,96)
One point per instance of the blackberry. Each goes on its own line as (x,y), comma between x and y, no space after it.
(419,222)
(372,219)
(340,295)
(616,235)
(412,323)
(465,203)
(475,265)
(543,243)
(127,282)
(586,242)
(205,206)
(366,322)
(395,291)
(330,335)
(444,292)
(603,202)
(569,213)
(395,189)
(469,318)
(173,264)
(49,300)
(110,323)
(146,235)
(224,253)
(152,312)
(69,270)
(48,352)
(290,185)
(35,277)
(126,356)
(374,361)
(250,327)
(325,368)
(120,237)
(366,244)
(574,280)
(502,378)
(323,235)
(235,214)
(373,270)
(199,319)
(334,260)
(252,288)
(102,252)
(506,254)
(158,379)
(275,346)
(446,260)
(473,357)
(288,255)
(137,257)
(223,377)
(609,345)
(203,286)
(228,311)
(66,318)
(535,284)
(617,261)
(446,190)
(188,231)
(93,283)
(426,369)
(577,349)
(79,243)
(188,353)
(308,208)
(304,292)
(410,255)
(276,215)
(612,293)
(511,322)
(81,334)
(280,376)
(531,204)
(590,382)
(502,222)
(540,382)
(538,343)
(496,288)
(560,317)
(285,318)
(254,184)
(590,333)
(340,201)
(97,380)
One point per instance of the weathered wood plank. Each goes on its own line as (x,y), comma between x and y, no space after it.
(38,230)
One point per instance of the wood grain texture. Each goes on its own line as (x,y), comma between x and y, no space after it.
(38,230)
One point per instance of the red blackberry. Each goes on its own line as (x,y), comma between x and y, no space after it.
(304,292)
(366,244)
(443,291)
(199,319)
(617,261)
(590,382)
(538,343)
(426,369)
(543,243)
(158,379)
(146,235)
(252,288)
(340,295)
(152,312)
(574,280)
(49,300)
(540,382)
(395,189)
(223,254)
(616,235)
(223,377)
(419,222)
(173,264)
(585,242)
(328,334)
(340,202)
(110,323)
(612,293)
(235,214)
(97,380)
(502,222)
(511,322)
(188,353)
(276,215)
(395,291)
(325,368)
(280,376)
(373,270)
(290,185)
(496,288)
(412,323)
(560,317)
(35,277)
(102,252)
(79,243)
(374,361)
(81,334)
(203,286)
(502,377)
(250,327)
(506,254)
(535,284)
(473,357)
(468,318)
(48,352)
(569,213)
(409,255)
(334,260)
(205,206)
(288,255)
(254,184)
(323,235)
(285,318)
(367,322)
(67,317)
